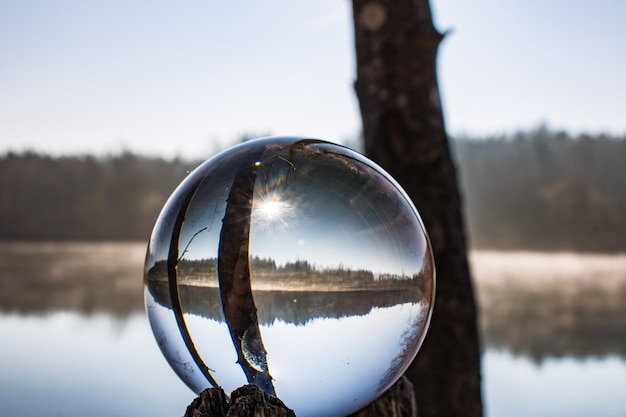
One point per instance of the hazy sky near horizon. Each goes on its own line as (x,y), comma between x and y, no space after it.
(187,78)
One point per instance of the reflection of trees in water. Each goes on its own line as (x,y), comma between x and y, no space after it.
(543,324)
(553,305)
(297,307)
(585,318)
(86,277)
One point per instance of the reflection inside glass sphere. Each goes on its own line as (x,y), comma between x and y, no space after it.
(293,264)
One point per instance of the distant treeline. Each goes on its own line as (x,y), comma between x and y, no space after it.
(545,190)
(200,270)
(84,198)
(536,190)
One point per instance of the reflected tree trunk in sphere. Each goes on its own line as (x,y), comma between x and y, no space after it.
(404,132)
(240,311)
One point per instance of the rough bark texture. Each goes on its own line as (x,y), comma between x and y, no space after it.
(247,401)
(211,402)
(403,129)
(250,401)
(233,269)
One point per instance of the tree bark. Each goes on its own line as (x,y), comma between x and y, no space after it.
(403,130)
(233,268)
(251,401)
(246,401)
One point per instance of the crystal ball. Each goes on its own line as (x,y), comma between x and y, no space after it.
(293,264)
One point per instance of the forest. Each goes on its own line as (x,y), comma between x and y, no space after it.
(532,190)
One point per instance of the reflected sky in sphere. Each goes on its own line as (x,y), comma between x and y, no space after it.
(295,264)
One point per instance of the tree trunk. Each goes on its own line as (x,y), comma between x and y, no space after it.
(404,132)
(233,270)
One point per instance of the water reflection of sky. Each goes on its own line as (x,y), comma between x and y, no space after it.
(567,387)
(110,364)
(71,363)
(67,364)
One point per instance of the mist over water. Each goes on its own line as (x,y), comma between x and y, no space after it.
(74,331)
(542,305)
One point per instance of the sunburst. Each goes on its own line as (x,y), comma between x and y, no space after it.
(270,212)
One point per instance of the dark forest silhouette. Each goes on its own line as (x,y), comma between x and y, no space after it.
(537,190)
(545,190)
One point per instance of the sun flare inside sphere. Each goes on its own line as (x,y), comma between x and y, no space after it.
(271,211)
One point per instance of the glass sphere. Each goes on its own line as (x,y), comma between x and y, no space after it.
(294,264)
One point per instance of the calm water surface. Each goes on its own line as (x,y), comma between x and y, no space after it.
(76,341)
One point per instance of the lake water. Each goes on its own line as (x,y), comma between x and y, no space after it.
(76,341)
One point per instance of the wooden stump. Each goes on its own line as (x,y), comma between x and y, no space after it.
(250,401)
(246,401)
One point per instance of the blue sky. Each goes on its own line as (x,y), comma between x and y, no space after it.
(187,78)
